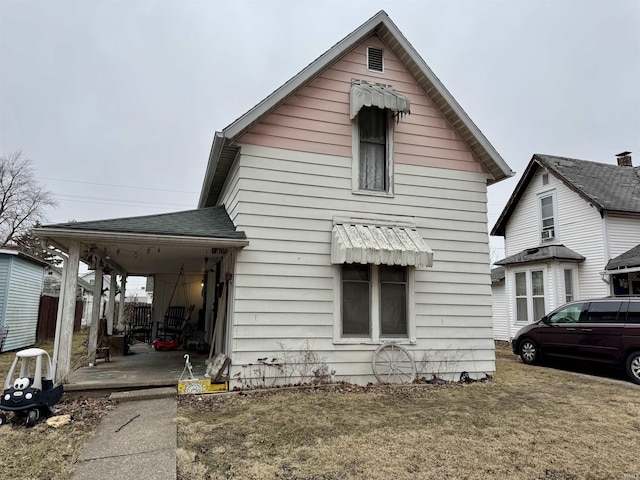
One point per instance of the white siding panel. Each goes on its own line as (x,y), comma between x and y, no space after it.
(283,281)
(500,313)
(623,233)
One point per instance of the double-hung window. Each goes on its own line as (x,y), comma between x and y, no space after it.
(547,218)
(530,300)
(373,149)
(375,302)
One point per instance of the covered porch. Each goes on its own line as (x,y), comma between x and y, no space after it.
(191,256)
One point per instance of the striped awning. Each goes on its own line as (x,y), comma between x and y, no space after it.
(379,245)
(367,94)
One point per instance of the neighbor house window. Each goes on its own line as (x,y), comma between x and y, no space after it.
(568,285)
(547,218)
(373,161)
(374,301)
(530,300)
(521,297)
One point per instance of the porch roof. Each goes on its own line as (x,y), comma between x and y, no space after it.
(539,254)
(629,259)
(150,244)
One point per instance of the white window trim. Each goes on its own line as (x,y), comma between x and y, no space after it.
(574,283)
(514,302)
(355,161)
(541,195)
(375,338)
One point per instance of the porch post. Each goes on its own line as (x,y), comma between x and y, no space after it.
(111,304)
(70,287)
(123,290)
(56,342)
(94,322)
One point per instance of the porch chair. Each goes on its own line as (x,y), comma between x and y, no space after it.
(139,327)
(174,322)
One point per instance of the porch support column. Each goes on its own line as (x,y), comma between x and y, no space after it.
(123,290)
(111,304)
(56,343)
(69,288)
(94,322)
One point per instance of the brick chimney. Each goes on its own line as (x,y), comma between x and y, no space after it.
(624,159)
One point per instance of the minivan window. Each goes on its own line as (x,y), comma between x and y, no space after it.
(633,314)
(568,314)
(602,312)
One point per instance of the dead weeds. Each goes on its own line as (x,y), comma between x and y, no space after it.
(528,423)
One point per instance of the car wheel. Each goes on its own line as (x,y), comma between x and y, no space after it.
(633,367)
(528,351)
(3,419)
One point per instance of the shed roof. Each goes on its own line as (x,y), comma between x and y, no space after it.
(223,151)
(538,254)
(608,187)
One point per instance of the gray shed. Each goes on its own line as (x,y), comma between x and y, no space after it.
(21,280)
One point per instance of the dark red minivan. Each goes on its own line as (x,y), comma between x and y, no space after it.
(604,330)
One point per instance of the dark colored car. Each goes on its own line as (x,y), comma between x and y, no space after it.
(604,330)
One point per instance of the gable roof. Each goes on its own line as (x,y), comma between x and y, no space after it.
(629,259)
(538,254)
(607,187)
(223,152)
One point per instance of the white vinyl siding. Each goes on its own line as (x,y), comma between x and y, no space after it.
(623,233)
(578,226)
(501,327)
(284,282)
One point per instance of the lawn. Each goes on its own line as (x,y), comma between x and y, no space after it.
(42,452)
(527,423)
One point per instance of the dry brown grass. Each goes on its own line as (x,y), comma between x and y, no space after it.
(43,452)
(528,423)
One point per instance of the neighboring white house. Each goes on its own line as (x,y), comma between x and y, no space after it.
(571,231)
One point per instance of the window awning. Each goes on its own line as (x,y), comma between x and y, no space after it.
(367,94)
(379,245)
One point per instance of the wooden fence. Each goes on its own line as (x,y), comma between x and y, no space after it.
(48,314)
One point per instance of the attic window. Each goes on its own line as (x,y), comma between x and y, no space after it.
(545,179)
(375,59)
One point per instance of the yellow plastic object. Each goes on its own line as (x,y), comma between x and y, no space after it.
(201,386)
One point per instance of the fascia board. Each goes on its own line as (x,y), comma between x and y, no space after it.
(176,240)
(214,156)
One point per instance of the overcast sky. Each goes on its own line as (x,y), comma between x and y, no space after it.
(116,103)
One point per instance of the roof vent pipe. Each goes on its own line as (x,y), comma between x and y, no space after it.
(624,159)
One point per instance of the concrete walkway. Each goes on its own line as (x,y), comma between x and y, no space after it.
(137,439)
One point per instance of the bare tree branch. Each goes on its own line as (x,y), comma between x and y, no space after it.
(22,200)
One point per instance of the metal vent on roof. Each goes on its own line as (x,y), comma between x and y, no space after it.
(375,59)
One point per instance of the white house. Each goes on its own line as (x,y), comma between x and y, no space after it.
(571,230)
(345,211)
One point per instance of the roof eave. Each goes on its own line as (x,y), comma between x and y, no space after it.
(214,156)
(100,235)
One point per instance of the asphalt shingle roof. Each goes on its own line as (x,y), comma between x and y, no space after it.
(629,259)
(611,187)
(608,187)
(531,255)
(497,274)
(211,222)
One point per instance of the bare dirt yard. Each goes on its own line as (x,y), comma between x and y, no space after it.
(526,423)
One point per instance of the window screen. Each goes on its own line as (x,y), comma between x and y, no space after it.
(356,287)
